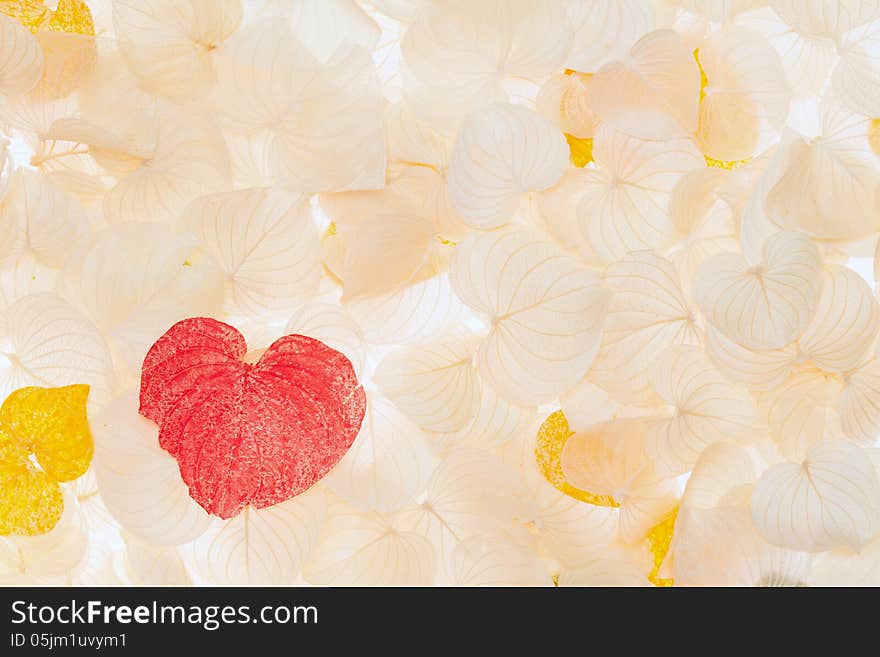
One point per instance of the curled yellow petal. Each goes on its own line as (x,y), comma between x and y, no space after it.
(552,436)
(52,423)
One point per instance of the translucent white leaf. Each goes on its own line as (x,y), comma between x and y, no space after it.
(324,120)
(417,313)
(502,152)
(846,568)
(387,466)
(620,566)
(265,244)
(719,11)
(364,550)
(189,160)
(721,547)
(860,404)
(829,185)
(38,218)
(22,276)
(746,97)
(829,19)
(325,26)
(482,561)
(457,54)
(706,409)
(152,565)
(495,422)
(720,472)
(333,326)
(568,528)
(704,218)
(625,205)
(605,30)
(21,59)
(434,385)
(768,305)
(759,369)
(558,207)
(169,45)
(845,324)
(651,93)
(135,281)
(470,492)
(563,101)
(802,411)
(856,77)
(806,56)
(49,343)
(827,501)
(388,251)
(139,482)
(648,312)
(546,313)
(48,557)
(261,546)
(610,459)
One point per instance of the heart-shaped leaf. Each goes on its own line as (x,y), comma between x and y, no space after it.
(249,433)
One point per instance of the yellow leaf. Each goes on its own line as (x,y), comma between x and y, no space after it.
(580,149)
(53,425)
(72,16)
(30,13)
(30,502)
(552,436)
(659,539)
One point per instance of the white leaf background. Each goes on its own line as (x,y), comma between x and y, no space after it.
(686,324)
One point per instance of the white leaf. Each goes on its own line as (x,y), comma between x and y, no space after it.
(387,466)
(482,561)
(830,183)
(625,204)
(746,97)
(546,313)
(434,385)
(364,550)
(139,482)
(265,244)
(333,326)
(721,547)
(845,324)
(768,305)
(261,546)
(153,565)
(605,30)
(169,44)
(52,344)
(135,281)
(38,218)
(189,159)
(652,92)
(21,59)
(706,409)
(860,404)
(829,500)
(502,152)
(648,312)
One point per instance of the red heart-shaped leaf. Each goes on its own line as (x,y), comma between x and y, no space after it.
(249,434)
